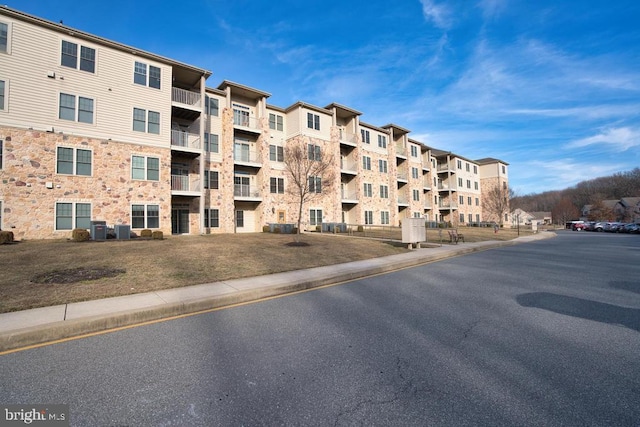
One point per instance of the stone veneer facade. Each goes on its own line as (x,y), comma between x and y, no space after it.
(30,168)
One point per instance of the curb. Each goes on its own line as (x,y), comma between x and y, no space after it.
(317,277)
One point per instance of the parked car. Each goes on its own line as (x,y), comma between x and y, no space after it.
(630,228)
(578,226)
(599,226)
(589,225)
(612,227)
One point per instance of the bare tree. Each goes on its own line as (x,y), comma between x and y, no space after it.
(564,211)
(310,170)
(497,201)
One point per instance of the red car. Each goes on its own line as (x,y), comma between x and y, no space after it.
(578,226)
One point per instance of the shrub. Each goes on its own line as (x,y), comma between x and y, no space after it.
(146,233)
(157,235)
(360,229)
(6,237)
(318,228)
(80,235)
(294,230)
(266,228)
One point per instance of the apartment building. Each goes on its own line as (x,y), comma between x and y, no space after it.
(91,129)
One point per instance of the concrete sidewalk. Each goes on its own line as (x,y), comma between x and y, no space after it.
(41,325)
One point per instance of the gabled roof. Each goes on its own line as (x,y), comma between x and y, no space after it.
(489,160)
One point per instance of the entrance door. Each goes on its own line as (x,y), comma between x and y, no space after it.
(179,220)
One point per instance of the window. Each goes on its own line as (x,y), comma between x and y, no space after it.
(366,163)
(73,161)
(414,151)
(276,153)
(3,97)
(467,166)
(477,201)
(211,218)
(140,118)
(69,57)
(414,173)
(315,184)
(275,122)
(384,217)
(1,164)
(211,181)
(211,143)
(73,215)
(315,216)
(461,200)
(365,136)
(460,182)
(368,217)
(80,112)
(382,141)
(276,185)
(4,37)
(475,169)
(313,121)
(140,75)
(469,202)
(459,164)
(468,183)
(382,165)
(241,115)
(211,106)
(475,185)
(416,195)
(470,217)
(315,152)
(367,190)
(477,217)
(145,168)
(239,219)
(461,217)
(504,169)
(145,216)
(384,192)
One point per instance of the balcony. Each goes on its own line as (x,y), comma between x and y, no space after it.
(246,157)
(401,151)
(182,185)
(185,141)
(348,167)
(186,98)
(444,204)
(246,123)
(349,139)
(246,192)
(445,168)
(349,196)
(427,205)
(426,185)
(447,187)
(402,177)
(403,201)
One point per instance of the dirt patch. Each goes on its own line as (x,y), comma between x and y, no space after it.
(77,275)
(297,244)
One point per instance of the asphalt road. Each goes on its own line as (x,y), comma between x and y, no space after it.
(539,334)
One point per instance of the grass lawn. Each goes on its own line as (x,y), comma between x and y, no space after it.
(36,273)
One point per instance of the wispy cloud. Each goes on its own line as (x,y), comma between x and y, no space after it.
(621,139)
(437,13)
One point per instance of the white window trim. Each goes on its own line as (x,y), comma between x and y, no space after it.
(146,170)
(75,161)
(73,202)
(76,110)
(5,109)
(79,59)
(9,37)
(146,218)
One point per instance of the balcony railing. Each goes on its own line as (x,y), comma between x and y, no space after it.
(402,200)
(348,166)
(185,139)
(183,183)
(245,190)
(348,194)
(246,156)
(402,176)
(348,138)
(446,187)
(401,151)
(246,121)
(448,205)
(444,167)
(186,97)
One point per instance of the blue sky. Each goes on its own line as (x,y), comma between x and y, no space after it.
(550,86)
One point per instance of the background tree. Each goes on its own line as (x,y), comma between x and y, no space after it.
(564,211)
(311,171)
(497,201)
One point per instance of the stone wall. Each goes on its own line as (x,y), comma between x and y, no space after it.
(30,186)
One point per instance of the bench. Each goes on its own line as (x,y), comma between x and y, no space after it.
(455,237)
